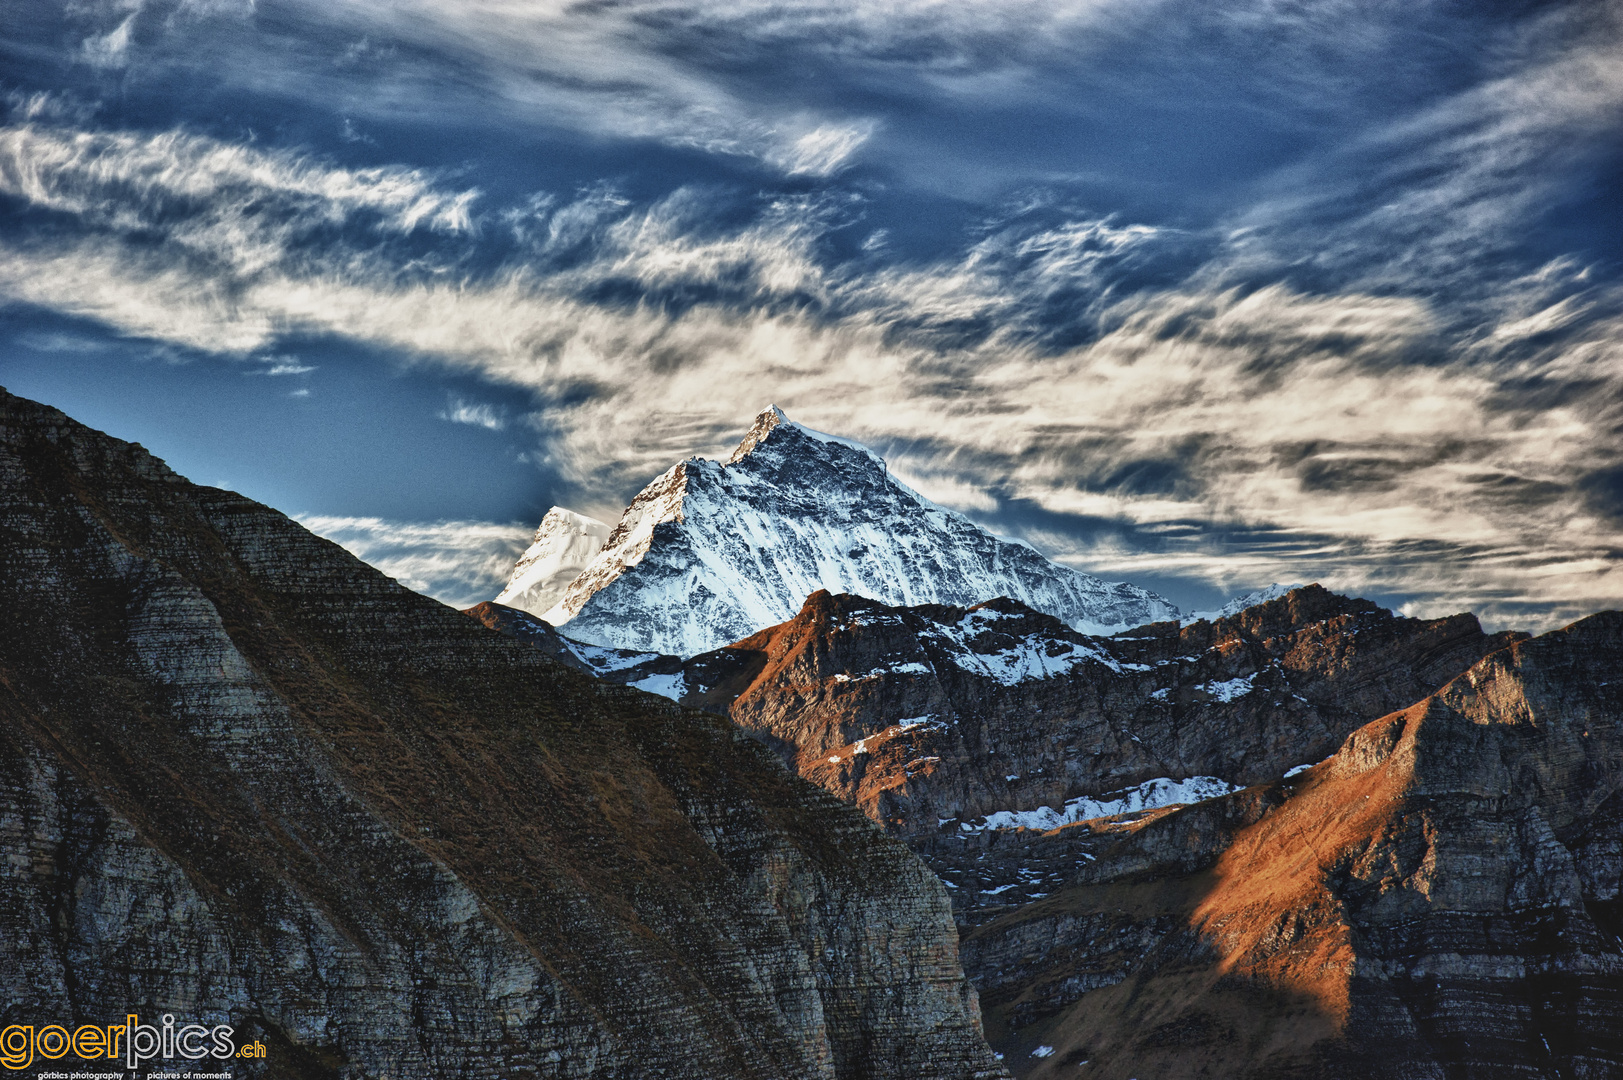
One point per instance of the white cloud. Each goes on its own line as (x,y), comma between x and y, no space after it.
(219,199)
(1247,409)
(285,365)
(460,563)
(476,415)
(110,49)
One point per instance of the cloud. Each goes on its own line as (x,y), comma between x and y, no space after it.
(460,563)
(284,365)
(1329,387)
(477,415)
(111,49)
(1443,192)
(218,199)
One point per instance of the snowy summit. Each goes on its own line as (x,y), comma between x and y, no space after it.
(564,545)
(711,552)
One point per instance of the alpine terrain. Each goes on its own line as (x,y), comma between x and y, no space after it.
(711,552)
(246,779)
(564,545)
(1228,847)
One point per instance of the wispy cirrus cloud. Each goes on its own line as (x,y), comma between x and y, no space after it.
(475,414)
(457,562)
(1368,372)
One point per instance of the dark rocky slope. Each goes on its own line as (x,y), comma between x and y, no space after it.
(247,779)
(1439,899)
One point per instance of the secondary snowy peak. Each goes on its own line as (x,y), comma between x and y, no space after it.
(711,552)
(564,545)
(1240,603)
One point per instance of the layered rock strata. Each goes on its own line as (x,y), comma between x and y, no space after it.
(963,729)
(1440,898)
(247,779)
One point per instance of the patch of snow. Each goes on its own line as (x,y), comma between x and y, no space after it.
(671,686)
(1300,769)
(928,720)
(602,660)
(1043,1051)
(1000,889)
(1160,695)
(1011,779)
(1229,689)
(1033,657)
(1150,795)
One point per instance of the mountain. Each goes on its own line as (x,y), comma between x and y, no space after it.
(1240,603)
(937,719)
(246,779)
(1233,848)
(564,545)
(711,552)
(1442,897)
(954,726)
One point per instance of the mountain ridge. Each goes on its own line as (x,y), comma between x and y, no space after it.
(247,779)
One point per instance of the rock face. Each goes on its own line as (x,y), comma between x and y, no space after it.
(564,545)
(957,728)
(1441,898)
(1024,713)
(1154,877)
(711,552)
(246,779)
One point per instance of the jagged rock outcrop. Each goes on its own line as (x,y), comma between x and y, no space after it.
(1024,712)
(713,551)
(246,779)
(1441,898)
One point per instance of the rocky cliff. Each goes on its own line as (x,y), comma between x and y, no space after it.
(1440,898)
(247,779)
(961,728)
(1315,881)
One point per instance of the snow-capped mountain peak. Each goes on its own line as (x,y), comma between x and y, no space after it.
(770,418)
(712,551)
(564,545)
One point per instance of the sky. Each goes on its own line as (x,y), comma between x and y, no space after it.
(1200,296)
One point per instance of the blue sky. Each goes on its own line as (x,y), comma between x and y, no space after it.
(1199,296)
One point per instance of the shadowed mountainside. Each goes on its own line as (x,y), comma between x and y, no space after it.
(247,779)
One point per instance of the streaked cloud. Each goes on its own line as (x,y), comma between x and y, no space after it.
(475,414)
(1380,364)
(457,562)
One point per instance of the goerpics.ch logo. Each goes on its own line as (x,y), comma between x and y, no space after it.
(135,1042)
